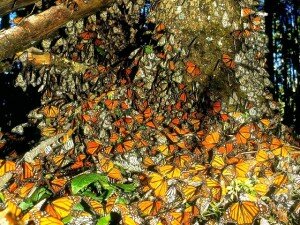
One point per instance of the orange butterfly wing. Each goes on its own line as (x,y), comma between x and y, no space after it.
(243,212)
(211,140)
(228,61)
(243,134)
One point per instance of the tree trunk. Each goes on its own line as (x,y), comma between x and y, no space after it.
(37,27)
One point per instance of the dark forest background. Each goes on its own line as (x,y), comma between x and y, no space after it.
(282,28)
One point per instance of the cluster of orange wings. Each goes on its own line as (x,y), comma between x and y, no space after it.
(195,165)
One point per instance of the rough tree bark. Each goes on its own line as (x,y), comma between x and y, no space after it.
(37,27)
(7,6)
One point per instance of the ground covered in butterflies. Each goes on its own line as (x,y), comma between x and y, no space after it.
(131,140)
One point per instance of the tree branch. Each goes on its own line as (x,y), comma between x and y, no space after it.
(10,5)
(38,27)
(39,58)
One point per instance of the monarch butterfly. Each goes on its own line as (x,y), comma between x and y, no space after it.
(58,160)
(261,189)
(102,208)
(172,136)
(246,12)
(27,171)
(160,27)
(111,104)
(278,148)
(182,160)
(96,206)
(93,147)
(57,184)
(183,97)
(150,208)
(226,149)
(50,111)
(87,35)
(13,208)
(139,118)
(61,207)
(192,69)
(26,189)
(280,179)
(238,34)
(90,76)
(114,137)
(217,107)
(179,218)
(166,149)
(243,212)
(108,167)
(49,131)
(218,162)
(262,156)
(172,66)
(211,140)
(49,220)
(91,117)
(126,146)
(158,184)
(266,122)
(139,140)
(243,134)
(124,105)
(241,169)
(228,61)
(7,166)
(228,174)
(183,144)
(148,162)
(181,131)
(169,171)
(148,112)
(215,188)
(256,20)
(190,192)
(127,220)
(151,124)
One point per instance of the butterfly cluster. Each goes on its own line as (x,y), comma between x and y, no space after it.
(131,137)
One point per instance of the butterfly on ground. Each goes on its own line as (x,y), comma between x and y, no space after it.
(242,212)
(243,134)
(211,140)
(228,61)
(150,208)
(192,69)
(159,184)
(61,207)
(108,167)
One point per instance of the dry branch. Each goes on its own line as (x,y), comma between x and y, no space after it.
(7,6)
(38,27)
(39,58)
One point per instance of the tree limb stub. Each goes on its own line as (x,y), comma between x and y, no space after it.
(7,6)
(38,27)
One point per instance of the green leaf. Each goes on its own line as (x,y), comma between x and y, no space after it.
(148,49)
(100,50)
(126,187)
(26,205)
(82,181)
(2,198)
(39,194)
(67,219)
(78,207)
(104,220)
